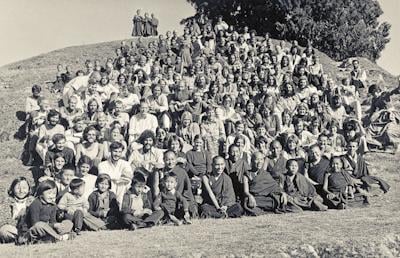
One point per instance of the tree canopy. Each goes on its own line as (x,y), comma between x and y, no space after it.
(340,28)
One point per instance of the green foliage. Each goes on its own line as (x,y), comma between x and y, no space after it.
(340,28)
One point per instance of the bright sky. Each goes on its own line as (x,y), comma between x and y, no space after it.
(31,27)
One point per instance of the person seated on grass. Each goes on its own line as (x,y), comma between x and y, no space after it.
(141,122)
(103,202)
(199,163)
(236,168)
(276,162)
(54,169)
(46,133)
(262,191)
(170,199)
(85,164)
(219,195)
(74,135)
(184,186)
(90,146)
(59,147)
(41,223)
(136,209)
(118,169)
(148,156)
(317,167)
(356,165)
(75,206)
(383,120)
(300,190)
(19,199)
(65,177)
(341,189)
(70,112)
(32,104)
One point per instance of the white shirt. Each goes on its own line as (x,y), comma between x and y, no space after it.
(138,124)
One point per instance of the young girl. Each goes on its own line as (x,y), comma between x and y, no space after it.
(103,202)
(76,208)
(341,190)
(54,169)
(84,166)
(20,198)
(41,219)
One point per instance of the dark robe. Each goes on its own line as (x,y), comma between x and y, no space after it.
(137,26)
(277,168)
(360,171)
(303,192)
(154,24)
(236,172)
(222,189)
(225,195)
(340,184)
(267,193)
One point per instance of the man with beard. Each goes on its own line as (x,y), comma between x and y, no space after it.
(118,169)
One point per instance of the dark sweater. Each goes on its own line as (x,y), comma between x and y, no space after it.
(67,153)
(94,204)
(40,211)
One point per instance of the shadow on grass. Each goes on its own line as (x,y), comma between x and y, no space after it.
(20,134)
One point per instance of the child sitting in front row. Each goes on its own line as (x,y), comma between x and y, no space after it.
(76,207)
(136,209)
(169,199)
(103,202)
(20,198)
(41,220)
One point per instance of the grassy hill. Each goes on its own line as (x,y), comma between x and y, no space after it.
(372,231)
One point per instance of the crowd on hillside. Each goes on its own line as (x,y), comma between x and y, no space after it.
(214,123)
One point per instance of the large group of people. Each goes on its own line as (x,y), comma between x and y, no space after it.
(215,123)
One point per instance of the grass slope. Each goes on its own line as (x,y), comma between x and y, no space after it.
(358,233)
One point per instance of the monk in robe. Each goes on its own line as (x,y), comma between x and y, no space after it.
(317,168)
(237,167)
(137,24)
(147,26)
(184,186)
(356,166)
(341,189)
(300,190)
(276,164)
(219,195)
(262,192)
(154,25)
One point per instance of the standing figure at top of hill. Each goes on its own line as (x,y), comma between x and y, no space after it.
(154,24)
(138,22)
(147,25)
